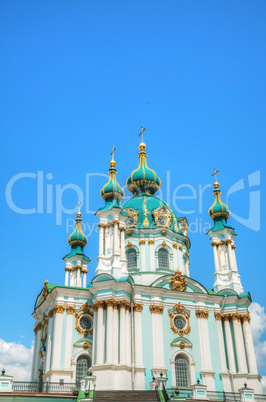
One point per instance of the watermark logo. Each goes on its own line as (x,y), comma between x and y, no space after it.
(185,199)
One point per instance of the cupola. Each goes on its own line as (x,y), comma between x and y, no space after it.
(112,192)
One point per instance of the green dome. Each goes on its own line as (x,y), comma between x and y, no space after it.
(78,237)
(218,210)
(112,190)
(143,179)
(147,211)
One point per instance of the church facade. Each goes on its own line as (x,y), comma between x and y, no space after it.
(143,314)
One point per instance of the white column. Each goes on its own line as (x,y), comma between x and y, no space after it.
(239,342)
(180,259)
(78,268)
(109,335)
(138,335)
(154,339)
(151,247)
(94,338)
(37,350)
(57,337)
(175,261)
(249,345)
(116,237)
(157,336)
(108,243)
(159,341)
(142,255)
(84,277)
(101,239)
(218,317)
(233,246)
(230,255)
(69,327)
(123,249)
(122,333)
(229,344)
(204,339)
(128,335)
(115,334)
(49,341)
(216,257)
(66,276)
(100,334)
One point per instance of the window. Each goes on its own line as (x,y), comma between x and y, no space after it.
(163,258)
(83,364)
(179,322)
(85,322)
(182,371)
(131,259)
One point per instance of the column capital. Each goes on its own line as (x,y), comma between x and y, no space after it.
(137,307)
(156,309)
(142,242)
(151,241)
(226,317)
(58,309)
(245,317)
(115,222)
(202,313)
(175,245)
(70,310)
(235,317)
(233,246)
(228,241)
(110,303)
(51,313)
(123,304)
(100,304)
(218,316)
(214,244)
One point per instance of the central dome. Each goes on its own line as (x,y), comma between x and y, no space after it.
(143,180)
(147,211)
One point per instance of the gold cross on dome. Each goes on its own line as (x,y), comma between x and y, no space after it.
(79,205)
(112,153)
(141,133)
(215,173)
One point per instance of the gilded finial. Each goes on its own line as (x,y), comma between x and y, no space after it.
(112,153)
(79,205)
(45,282)
(215,173)
(141,133)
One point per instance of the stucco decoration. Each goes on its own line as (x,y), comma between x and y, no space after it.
(179,310)
(178,282)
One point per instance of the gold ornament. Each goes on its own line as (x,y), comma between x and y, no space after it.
(245,317)
(235,317)
(218,316)
(146,220)
(156,309)
(178,282)
(202,313)
(59,309)
(85,345)
(179,309)
(70,310)
(137,307)
(162,212)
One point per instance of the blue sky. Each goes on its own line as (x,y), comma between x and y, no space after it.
(80,76)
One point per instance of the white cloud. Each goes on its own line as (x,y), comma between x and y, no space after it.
(258,328)
(16,359)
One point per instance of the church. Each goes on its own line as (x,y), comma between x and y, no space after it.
(143,315)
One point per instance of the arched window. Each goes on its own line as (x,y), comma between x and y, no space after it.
(163,258)
(131,259)
(83,364)
(182,375)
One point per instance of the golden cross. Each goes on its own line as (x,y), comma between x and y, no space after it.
(79,205)
(141,133)
(215,173)
(112,153)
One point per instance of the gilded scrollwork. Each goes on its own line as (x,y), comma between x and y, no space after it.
(146,219)
(184,226)
(162,217)
(137,307)
(132,214)
(218,316)
(245,317)
(178,282)
(179,310)
(58,309)
(235,317)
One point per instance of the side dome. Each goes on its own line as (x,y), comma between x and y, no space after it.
(143,179)
(78,237)
(218,210)
(112,190)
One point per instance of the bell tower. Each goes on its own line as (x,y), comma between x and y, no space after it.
(222,240)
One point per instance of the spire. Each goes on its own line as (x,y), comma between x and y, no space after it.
(219,212)
(143,179)
(112,192)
